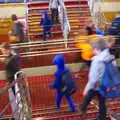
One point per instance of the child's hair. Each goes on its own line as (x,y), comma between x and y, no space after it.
(89,30)
(99,44)
(14,17)
(5,46)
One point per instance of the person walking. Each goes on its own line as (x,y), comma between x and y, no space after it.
(95,76)
(58,84)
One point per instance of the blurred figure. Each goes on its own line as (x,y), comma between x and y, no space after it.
(17,31)
(85,44)
(114,29)
(46,23)
(95,76)
(58,83)
(98,31)
(89,30)
(53,6)
(11,61)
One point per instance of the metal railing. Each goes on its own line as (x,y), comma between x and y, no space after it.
(97,13)
(19,100)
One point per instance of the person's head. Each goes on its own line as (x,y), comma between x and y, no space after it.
(89,31)
(5,49)
(44,14)
(110,41)
(99,45)
(14,17)
(59,61)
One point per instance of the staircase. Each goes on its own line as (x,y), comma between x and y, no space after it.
(43,101)
(77,11)
(44,107)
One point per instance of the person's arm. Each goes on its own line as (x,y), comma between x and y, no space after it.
(50,3)
(56,82)
(14,63)
(95,75)
(41,21)
(62,4)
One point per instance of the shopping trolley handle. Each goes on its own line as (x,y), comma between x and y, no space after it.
(17,73)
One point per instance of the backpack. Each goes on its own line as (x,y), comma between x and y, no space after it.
(68,83)
(111,81)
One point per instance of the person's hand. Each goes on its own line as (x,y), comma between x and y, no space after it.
(85,93)
(10,32)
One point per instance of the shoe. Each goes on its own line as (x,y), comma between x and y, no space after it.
(98,118)
(81,111)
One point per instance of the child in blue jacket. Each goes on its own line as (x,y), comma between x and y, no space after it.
(57,83)
(46,23)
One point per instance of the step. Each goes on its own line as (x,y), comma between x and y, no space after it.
(55,32)
(71,12)
(36,18)
(67,7)
(67,3)
(68,11)
(73,22)
(78,17)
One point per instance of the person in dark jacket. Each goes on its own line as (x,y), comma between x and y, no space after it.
(11,61)
(57,83)
(17,28)
(46,23)
(114,29)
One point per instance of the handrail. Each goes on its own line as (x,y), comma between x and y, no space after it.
(20,102)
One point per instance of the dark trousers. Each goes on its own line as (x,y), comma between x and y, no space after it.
(54,16)
(10,80)
(45,33)
(102,107)
(13,89)
(60,95)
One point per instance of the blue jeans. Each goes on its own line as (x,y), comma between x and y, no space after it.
(45,33)
(59,96)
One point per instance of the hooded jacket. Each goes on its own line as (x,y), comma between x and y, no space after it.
(59,61)
(97,69)
(46,22)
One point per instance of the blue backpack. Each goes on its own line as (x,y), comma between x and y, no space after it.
(111,81)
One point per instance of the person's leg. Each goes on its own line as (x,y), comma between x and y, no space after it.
(13,89)
(44,35)
(53,15)
(71,103)
(57,16)
(86,101)
(49,33)
(102,108)
(59,96)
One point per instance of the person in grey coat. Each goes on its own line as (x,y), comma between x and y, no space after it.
(53,6)
(95,75)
